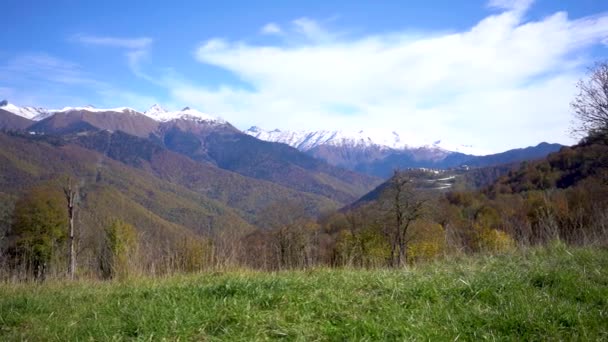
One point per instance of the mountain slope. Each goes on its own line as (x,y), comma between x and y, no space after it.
(77,120)
(205,138)
(585,162)
(232,150)
(248,196)
(521,154)
(25,162)
(10,121)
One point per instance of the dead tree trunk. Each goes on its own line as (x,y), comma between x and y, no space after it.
(70,196)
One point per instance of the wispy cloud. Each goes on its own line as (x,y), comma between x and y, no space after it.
(271,29)
(311,29)
(127,43)
(137,49)
(477,87)
(45,68)
(45,80)
(513,5)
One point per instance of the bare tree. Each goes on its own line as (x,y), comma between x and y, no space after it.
(291,232)
(590,106)
(70,196)
(404,205)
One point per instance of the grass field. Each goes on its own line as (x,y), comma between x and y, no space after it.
(544,294)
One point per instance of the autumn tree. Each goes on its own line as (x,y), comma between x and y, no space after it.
(38,230)
(119,249)
(193,254)
(590,106)
(360,242)
(292,232)
(403,205)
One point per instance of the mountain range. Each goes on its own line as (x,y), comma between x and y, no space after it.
(189,139)
(176,174)
(204,137)
(380,154)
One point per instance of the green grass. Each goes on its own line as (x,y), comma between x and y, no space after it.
(544,294)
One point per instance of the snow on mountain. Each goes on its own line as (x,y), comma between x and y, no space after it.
(32,113)
(302,140)
(155,112)
(92,109)
(461,148)
(307,140)
(37,113)
(158,113)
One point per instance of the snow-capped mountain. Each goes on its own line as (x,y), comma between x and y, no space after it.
(372,152)
(353,149)
(158,113)
(365,151)
(154,121)
(307,140)
(31,113)
(155,112)
(38,113)
(92,109)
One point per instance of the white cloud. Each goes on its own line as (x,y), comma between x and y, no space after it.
(503,83)
(271,29)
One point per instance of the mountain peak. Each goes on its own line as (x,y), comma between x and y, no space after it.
(154,109)
(254,129)
(158,113)
(31,113)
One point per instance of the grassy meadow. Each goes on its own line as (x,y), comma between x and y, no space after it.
(555,293)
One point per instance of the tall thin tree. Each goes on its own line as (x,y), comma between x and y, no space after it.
(71,194)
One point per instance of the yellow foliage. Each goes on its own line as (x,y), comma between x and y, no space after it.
(366,248)
(428,241)
(193,254)
(494,240)
(121,250)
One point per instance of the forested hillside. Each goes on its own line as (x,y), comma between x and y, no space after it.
(562,197)
(165,214)
(170,198)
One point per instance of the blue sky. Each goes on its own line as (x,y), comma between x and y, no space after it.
(494,75)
